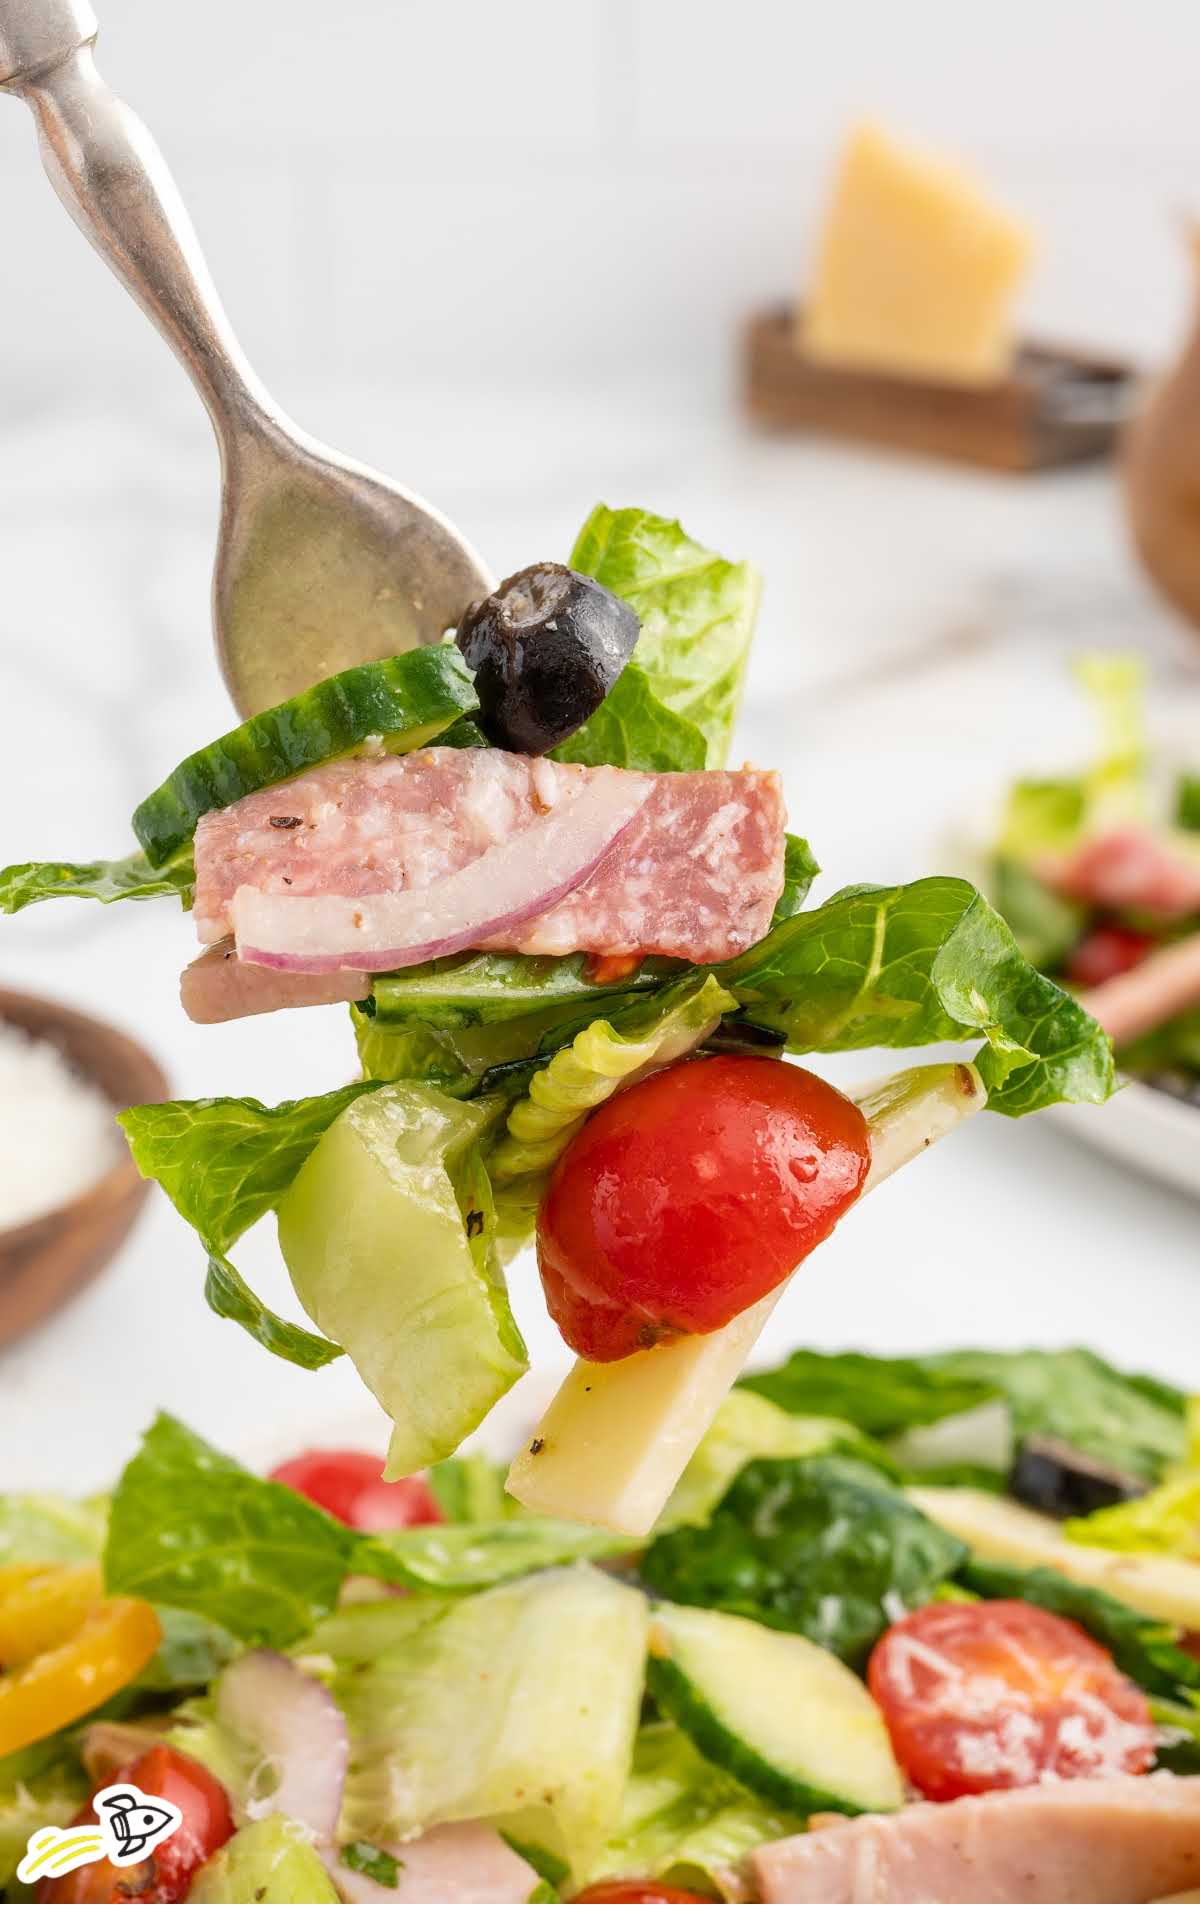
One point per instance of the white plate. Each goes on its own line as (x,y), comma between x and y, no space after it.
(1146,1129)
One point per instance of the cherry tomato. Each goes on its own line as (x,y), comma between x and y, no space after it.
(1106,952)
(165,1876)
(685,1199)
(636,1892)
(987,1694)
(348,1484)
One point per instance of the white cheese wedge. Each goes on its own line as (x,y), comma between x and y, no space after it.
(916,268)
(1159,1585)
(617,1436)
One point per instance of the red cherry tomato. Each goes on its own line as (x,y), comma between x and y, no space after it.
(1105,952)
(636,1892)
(165,1876)
(685,1199)
(347,1484)
(988,1694)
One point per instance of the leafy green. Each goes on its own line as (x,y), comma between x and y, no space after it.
(229,1295)
(470,1488)
(880,1395)
(820,1546)
(372,1861)
(485,989)
(225,1162)
(1169,1047)
(800,869)
(50,1528)
(1142,1648)
(192,1529)
(683,1820)
(105,880)
(697,613)
(462,1559)
(36,1789)
(1166,1521)
(363,1630)
(1127,1421)
(910,965)
(1187,803)
(192,1651)
(633,728)
(1047,926)
(1179,1752)
(1041,816)
(745,1427)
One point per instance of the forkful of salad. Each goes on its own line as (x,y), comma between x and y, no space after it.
(321,563)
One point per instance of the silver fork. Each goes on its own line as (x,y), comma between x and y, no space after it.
(320,562)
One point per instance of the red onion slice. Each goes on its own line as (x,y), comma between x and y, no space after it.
(466,1863)
(512,882)
(299,1729)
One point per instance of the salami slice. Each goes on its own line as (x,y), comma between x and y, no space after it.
(696,876)
(1129,870)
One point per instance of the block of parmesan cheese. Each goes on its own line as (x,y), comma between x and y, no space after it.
(916,268)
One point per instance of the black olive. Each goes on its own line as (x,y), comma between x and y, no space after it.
(545,650)
(1061,1481)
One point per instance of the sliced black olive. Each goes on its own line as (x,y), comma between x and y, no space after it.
(1060,1481)
(545,650)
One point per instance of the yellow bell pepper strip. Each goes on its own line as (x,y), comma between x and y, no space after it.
(44,1608)
(110,1647)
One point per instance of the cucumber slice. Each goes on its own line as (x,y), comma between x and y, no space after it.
(405,702)
(270,1860)
(388,1232)
(787,1719)
(518,1706)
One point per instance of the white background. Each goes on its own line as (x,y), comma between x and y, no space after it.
(504,251)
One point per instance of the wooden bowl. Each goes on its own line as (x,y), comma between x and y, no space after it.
(44,1262)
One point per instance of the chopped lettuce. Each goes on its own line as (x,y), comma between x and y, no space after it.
(800,869)
(1041,816)
(105,880)
(50,1528)
(486,989)
(1187,802)
(697,613)
(1047,927)
(1143,1648)
(470,1488)
(1166,1521)
(684,1821)
(1050,816)
(745,1427)
(820,1546)
(910,965)
(193,1529)
(1129,1422)
(463,1559)
(37,1788)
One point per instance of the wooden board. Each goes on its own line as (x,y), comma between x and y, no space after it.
(1058,406)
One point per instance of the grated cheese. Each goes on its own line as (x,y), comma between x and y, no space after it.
(57,1133)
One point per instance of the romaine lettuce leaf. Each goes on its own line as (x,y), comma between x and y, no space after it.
(819,1545)
(105,880)
(50,1528)
(229,1295)
(463,1558)
(633,728)
(684,1821)
(1144,1649)
(470,1488)
(800,869)
(485,989)
(1047,926)
(49,1796)
(193,1529)
(1166,1521)
(1187,802)
(697,613)
(879,1395)
(902,966)
(1042,816)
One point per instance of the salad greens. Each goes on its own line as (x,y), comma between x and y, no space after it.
(819,1545)
(1166,1521)
(132,878)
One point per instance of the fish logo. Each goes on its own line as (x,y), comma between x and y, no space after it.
(131,1824)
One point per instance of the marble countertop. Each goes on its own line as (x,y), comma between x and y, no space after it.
(915,632)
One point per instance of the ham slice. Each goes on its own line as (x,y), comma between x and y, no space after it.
(1076,1842)
(218,986)
(695,876)
(1128,869)
(466,1862)
(1159,987)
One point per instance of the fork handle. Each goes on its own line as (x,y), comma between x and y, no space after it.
(114,181)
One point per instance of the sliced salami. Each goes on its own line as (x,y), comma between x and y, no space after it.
(695,876)
(1129,870)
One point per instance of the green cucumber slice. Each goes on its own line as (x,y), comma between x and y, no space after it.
(405,701)
(388,1233)
(787,1719)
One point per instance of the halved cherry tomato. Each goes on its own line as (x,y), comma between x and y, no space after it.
(106,1650)
(685,1199)
(40,1607)
(166,1875)
(988,1694)
(636,1892)
(1105,952)
(347,1484)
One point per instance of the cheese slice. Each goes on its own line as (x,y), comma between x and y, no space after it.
(1162,1586)
(916,268)
(618,1436)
